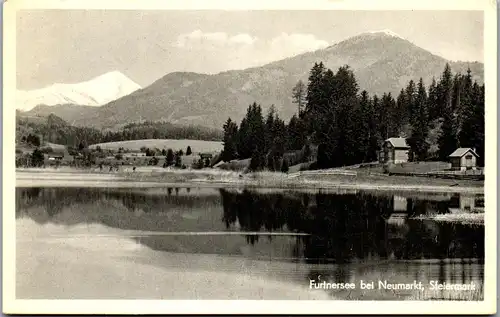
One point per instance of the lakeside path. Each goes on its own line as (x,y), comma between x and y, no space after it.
(158,177)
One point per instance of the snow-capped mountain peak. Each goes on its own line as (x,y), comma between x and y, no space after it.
(95,92)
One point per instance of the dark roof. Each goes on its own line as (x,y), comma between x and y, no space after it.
(398,142)
(462,151)
(55,154)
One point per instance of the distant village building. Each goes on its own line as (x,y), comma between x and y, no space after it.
(463,159)
(205,158)
(55,158)
(394,150)
(134,154)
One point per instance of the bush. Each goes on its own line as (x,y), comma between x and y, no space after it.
(169,159)
(178,161)
(153,161)
(37,158)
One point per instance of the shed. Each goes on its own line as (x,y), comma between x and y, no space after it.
(206,155)
(205,159)
(463,159)
(394,150)
(55,156)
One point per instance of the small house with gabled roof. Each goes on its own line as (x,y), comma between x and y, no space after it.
(394,150)
(464,159)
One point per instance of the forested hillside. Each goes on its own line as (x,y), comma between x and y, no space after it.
(349,126)
(55,130)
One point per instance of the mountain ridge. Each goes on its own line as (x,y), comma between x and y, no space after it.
(381,62)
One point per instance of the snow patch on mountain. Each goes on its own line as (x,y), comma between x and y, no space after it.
(95,92)
(386,32)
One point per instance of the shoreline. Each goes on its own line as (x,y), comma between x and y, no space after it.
(217,179)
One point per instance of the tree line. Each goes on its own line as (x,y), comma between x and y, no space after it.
(348,127)
(56,130)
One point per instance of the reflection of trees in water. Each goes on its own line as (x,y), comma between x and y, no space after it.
(350,227)
(53,200)
(342,228)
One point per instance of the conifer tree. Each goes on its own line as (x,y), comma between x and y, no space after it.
(296,134)
(411,95)
(269,129)
(368,129)
(420,124)
(447,141)
(315,96)
(230,138)
(169,159)
(402,109)
(466,128)
(432,101)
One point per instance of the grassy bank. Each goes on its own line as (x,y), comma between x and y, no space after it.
(467,218)
(156,176)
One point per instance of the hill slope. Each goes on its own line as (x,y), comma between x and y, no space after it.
(382,61)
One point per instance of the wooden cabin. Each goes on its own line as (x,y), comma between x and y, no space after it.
(394,150)
(463,159)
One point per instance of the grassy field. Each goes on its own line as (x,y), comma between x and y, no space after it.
(144,176)
(135,145)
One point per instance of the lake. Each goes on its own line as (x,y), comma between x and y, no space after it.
(206,243)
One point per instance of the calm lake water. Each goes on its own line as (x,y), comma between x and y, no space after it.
(287,236)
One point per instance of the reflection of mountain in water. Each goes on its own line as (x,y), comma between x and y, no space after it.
(341,227)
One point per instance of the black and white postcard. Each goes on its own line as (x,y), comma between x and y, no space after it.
(249,157)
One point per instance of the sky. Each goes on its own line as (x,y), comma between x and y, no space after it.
(70,46)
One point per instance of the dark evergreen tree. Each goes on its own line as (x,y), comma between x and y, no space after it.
(342,132)
(37,158)
(296,134)
(315,96)
(269,129)
(432,102)
(465,113)
(188,150)
(457,93)
(169,159)
(230,141)
(473,130)
(410,96)
(447,141)
(244,145)
(420,124)
(401,114)
(284,166)
(367,125)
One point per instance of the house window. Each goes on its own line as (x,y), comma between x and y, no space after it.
(468,157)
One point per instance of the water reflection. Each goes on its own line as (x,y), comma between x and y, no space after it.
(340,237)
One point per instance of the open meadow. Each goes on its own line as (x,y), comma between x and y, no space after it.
(197,146)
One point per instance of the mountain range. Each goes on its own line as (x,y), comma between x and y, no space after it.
(95,92)
(382,62)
